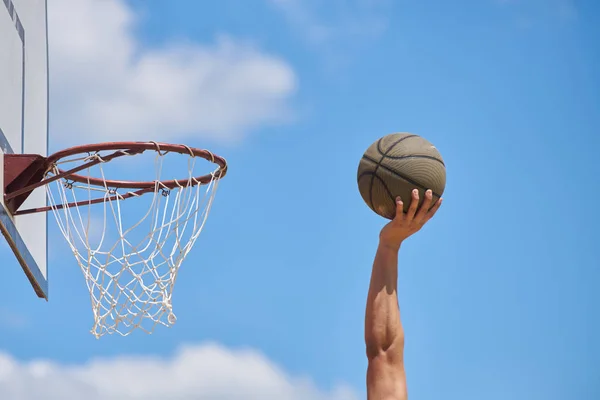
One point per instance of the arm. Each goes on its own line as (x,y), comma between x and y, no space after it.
(384,335)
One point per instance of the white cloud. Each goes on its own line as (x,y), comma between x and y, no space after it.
(208,372)
(106,85)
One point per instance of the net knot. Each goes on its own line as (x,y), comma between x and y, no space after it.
(212,156)
(157,146)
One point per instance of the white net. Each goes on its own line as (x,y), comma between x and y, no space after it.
(130,250)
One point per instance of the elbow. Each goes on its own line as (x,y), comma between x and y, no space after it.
(373,350)
(377,345)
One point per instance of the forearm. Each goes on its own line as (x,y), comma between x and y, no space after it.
(384,336)
(383,329)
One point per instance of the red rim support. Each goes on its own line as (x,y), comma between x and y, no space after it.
(24,173)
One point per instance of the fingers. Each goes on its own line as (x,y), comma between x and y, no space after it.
(422,213)
(415,213)
(414,204)
(399,208)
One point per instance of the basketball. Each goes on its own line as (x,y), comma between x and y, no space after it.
(395,165)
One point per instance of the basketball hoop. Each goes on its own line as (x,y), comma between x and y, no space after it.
(129,256)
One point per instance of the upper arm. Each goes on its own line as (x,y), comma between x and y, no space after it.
(386,379)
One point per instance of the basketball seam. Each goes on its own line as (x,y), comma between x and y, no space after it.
(373,176)
(397,174)
(383,155)
(385,186)
(387,189)
(416,156)
(392,196)
(365,173)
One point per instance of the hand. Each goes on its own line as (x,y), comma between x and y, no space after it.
(404,225)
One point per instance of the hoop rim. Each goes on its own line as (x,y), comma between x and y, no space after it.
(132,148)
(24,185)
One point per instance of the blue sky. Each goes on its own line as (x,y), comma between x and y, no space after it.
(498,293)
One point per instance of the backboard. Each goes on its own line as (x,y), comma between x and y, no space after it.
(24,126)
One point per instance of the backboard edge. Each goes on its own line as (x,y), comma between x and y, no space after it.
(30,267)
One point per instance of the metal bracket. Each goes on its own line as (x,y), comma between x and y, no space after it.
(21,171)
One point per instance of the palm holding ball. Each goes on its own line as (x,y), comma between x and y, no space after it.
(394,167)
(406,224)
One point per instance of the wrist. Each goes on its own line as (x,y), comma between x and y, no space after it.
(389,245)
